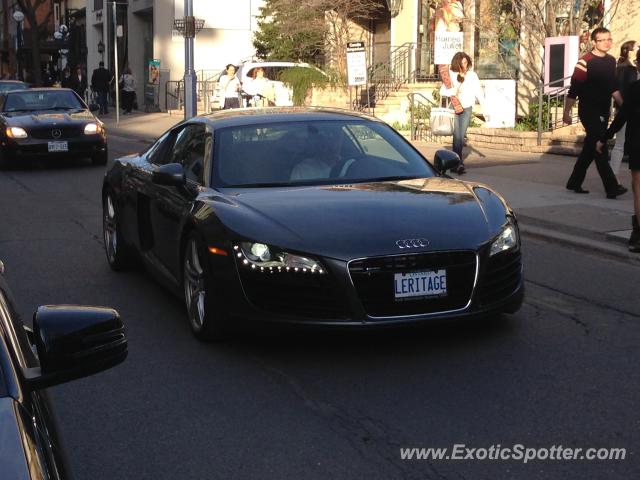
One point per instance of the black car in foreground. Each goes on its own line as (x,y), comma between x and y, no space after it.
(309,216)
(66,343)
(49,123)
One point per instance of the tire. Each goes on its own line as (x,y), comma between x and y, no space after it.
(119,255)
(207,319)
(5,162)
(100,158)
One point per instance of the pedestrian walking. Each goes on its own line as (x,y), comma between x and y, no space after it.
(230,88)
(100,81)
(629,113)
(79,82)
(594,83)
(260,88)
(465,86)
(626,73)
(128,85)
(65,81)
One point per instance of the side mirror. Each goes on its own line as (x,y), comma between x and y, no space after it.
(445,160)
(171,174)
(74,342)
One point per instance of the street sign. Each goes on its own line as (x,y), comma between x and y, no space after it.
(356,64)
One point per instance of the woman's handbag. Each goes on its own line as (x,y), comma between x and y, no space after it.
(441,121)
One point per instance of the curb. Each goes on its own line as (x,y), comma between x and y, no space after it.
(613,247)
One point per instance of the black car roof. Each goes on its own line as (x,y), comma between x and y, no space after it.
(249,116)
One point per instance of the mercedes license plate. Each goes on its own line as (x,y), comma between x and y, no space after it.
(420,284)
(58,147)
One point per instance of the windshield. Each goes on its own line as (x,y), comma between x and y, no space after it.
(34,100)
(6,86)
(313,152)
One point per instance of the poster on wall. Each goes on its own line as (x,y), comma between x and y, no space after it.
(154,72)
(500,103)
(448,37)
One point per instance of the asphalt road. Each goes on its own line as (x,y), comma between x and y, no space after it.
(563,371)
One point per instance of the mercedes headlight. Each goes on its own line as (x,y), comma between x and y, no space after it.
(507,240)
(16,132)
(91,128)
(264,257)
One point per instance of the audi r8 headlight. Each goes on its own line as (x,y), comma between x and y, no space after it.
(92,128)
(507,240)
(16,132)
(267,258)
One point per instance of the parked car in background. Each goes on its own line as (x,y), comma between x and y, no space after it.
(49,123)
(309,216)
(6,85)
(66,343)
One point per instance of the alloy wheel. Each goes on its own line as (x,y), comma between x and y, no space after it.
(194,286)
(110,229)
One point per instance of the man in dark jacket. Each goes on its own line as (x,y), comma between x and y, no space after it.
(594,83)
(100,80)
(79,82)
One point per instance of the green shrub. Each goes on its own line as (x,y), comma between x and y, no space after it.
(301,80)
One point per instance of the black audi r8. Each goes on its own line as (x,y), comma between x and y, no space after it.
(49,123)
(312,216)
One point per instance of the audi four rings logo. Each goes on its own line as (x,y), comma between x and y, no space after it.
(412,243)
(56,133)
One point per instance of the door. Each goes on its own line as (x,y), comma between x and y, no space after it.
(169,205)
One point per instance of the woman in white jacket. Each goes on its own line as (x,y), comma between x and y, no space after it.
(466,87)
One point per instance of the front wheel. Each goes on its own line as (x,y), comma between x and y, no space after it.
(206,317)
(119,254)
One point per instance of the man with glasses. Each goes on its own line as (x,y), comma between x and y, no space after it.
(594,83)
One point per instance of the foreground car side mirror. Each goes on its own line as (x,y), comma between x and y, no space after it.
(171,174)
(445,160)
(74,342)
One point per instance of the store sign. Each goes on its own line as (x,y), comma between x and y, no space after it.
(447,44)
(500,103)
(356,64)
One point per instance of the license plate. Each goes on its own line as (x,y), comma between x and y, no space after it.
(420,284)
(58,147)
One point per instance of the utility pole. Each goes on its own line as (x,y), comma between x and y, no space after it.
(115,61)
(190,79)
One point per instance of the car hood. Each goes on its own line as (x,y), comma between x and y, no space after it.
(48,118)
(350,221)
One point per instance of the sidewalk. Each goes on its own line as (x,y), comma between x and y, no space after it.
(532,183)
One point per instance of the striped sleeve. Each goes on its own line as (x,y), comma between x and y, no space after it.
(578,78)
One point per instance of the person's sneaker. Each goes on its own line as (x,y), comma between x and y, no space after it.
(461,170)
(578,190)
(617,192)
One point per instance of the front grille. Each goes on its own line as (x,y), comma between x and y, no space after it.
(374,282)
(303,295)
(41,133)
(500,278)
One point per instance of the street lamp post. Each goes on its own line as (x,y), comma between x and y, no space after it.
(189,26)
(18,16)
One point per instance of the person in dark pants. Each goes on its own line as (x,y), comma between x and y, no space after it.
(100,80)
(594,83)
(629,112)
(79,82)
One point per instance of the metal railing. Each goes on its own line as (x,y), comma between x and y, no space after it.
(552,98)
(387,77)
(206,93)
(420,112)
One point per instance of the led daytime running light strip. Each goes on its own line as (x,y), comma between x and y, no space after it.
(250,264)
